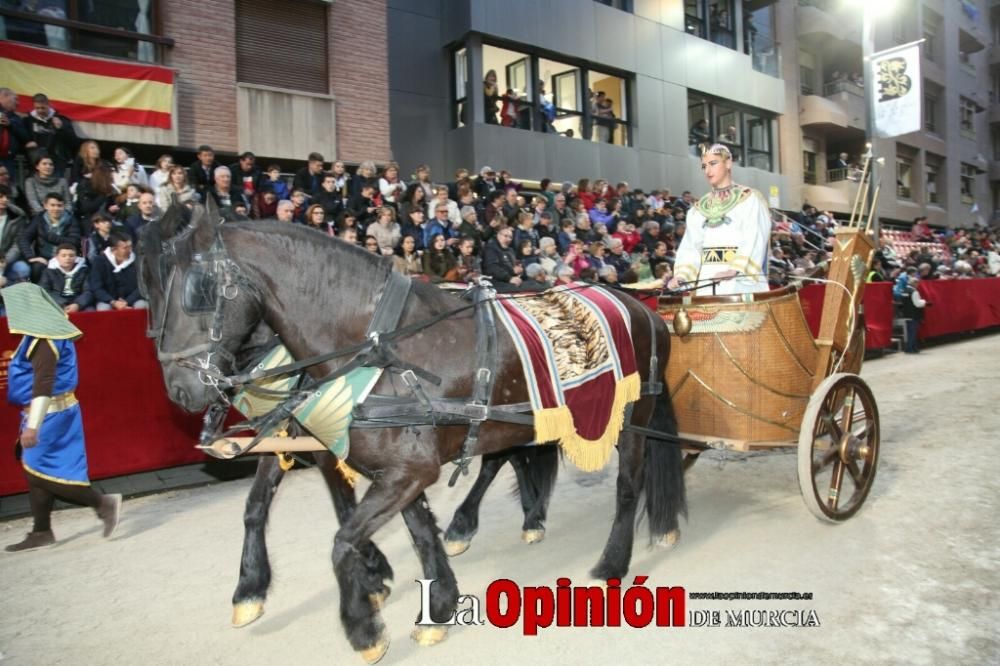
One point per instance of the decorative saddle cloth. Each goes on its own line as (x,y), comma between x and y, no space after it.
(575,346)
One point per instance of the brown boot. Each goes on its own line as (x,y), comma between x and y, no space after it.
(110,511)
(33,540)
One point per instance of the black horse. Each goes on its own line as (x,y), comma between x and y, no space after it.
(279,274)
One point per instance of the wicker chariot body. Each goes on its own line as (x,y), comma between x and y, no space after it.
(747,374)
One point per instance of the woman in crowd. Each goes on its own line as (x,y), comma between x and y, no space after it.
(438,262)
(162,172)
(366,172)
(176,188)
(491,96)
(390,186)
(386,230)
(414,197)
(126,170)
(596,258)
(316,219)
(265,204)
(87,159)
(95,194)
(346,220)
(407,260)
(585,194)
(422,177)
(42,182)
(575,258)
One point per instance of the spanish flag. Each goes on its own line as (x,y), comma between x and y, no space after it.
(89,89)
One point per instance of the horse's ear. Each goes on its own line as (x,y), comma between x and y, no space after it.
(170,221)
(211,207)
(205,221)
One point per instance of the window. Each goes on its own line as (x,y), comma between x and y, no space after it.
(300,63)
(967,117)
(904,175)
(808,167)
(807,73)
(898,31)
(746,132)
(931,110)
(968,177)
(711,19)
(759,39)
(566,99)
(932,26)
(112,28)
(932,178)
(460,88)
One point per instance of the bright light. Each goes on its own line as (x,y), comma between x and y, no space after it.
(872,8)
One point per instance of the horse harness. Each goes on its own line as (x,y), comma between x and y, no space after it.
(215,279)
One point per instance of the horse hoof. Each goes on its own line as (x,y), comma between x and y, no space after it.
(456,548)
(427,636)
(246,612)
(375,653)
(668,540)
(532,536)
(378,598)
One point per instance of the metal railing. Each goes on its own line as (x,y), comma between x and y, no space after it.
(850,87)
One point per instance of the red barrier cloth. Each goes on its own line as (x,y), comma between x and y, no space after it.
(878,311)
(959,306)
(129,423)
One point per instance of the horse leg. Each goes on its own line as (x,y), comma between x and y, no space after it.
(255,570)
(389,493)
(344,503)
(465,523)
(536,468)
(617,553)
(444,589)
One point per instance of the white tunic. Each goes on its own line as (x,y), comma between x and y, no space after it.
(736,239)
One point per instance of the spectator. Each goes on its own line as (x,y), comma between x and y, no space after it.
(491,96)
(128,203)
(126,170)
(202,172)
(95,193)
(362,206)
(500,262)
(347,222)
(300,201)
(285,211)
(44,181)
(469,265)
(599,214)
(386,230)
(50,132)
(538,278)
(462,180)
(414,197)
(617,256)
(100,237)
(596,258)
(15,193)
(273,178)
(13,268)
(470,228)
(349,235)
(87,160)
(366,172)
(13,134)
(659,256)
(438,262)
(422,179)
(225,195)
(161,175)
(341,179)
(585,194)
(441,197)
(564,275)
(390,186)
(371,245)
(407,260)
(439,224)
(65,280)
(46,231)
(415,228)
(608,274)
(640,264)
(329,197)
(913,313)
(316,219)
(487,183)
(576,257)
(628,236)
(699,137)
(175,190)
(921,231)
(114,278)
(246,175)
(147,214)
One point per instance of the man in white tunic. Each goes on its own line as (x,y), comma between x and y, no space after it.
(728,234)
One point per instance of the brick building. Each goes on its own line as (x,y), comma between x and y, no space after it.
(278,77)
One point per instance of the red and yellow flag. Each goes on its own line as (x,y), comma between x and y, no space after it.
(89,89)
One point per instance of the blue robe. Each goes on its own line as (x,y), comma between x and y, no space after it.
(60,454)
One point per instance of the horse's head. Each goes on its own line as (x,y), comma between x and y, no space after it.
(202,308)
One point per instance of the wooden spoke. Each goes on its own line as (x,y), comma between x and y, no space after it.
(825,460)
(833,496)
(852,467)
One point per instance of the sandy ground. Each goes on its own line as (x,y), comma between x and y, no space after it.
(913,578)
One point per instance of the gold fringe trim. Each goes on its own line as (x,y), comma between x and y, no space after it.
(588,455)
(350,474)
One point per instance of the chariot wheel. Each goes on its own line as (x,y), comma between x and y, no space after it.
(838,447)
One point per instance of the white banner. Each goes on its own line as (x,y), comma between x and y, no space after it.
(896,91)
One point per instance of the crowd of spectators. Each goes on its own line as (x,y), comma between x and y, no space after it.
(73,225)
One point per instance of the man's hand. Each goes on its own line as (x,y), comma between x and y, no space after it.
(518,269)
(31,144)
(29,437)
(675,283)
(71,308)
(725,275)
(119,304)
(516,281)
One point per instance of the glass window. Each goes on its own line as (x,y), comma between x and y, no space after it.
(609,109)
(968,178)
(726,126)
(807,73)
(966,117)
(904,175)
(694,18)
(758,140)
(460,93)
(746,132)
(932,176)
(808,167)
(508,95)
(930,111)
(759,39)
(932,24)
(720,23)
(133,16)
(562,101)
(699,133)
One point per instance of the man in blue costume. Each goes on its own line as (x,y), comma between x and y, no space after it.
(41,379)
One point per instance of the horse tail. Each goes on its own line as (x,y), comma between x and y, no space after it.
(664,473)
(537,467)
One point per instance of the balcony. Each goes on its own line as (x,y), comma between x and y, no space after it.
(823,20)
(851,98)
(836,195)
(820,111)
